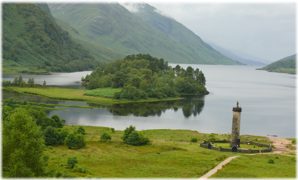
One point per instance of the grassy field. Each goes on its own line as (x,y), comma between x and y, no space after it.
(170,154)
(78,95)
(103,92)
(260,166)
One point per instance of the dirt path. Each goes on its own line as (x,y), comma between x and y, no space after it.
(280,145)
(218,167)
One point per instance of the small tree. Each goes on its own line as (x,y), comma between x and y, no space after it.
(57,122)
(132,137)
(54,136)
(30,82)
(136,139)
(194,140)
(127,131)
(22,145)
(75,141)
(81,130)
(44,84)
(105,137)
(71,162)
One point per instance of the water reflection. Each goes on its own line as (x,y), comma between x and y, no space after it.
(190,106)
(22,97)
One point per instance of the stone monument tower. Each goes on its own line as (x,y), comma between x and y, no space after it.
(235,138)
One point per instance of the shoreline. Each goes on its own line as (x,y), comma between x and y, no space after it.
(175,129)
(62,93)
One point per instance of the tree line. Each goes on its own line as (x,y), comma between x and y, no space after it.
(20,82)
(27,130)
(142,76)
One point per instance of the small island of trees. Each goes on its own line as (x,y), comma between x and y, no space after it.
(143,76)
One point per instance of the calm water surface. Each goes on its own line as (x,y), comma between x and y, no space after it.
(57,79)
(267,101)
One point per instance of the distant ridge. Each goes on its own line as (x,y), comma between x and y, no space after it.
(284,65)
(238,57)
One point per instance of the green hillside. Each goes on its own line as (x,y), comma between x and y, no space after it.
(285,65)
(33,42)
(129,33)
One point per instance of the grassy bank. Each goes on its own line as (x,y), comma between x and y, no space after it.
(170,154)
(260,166)
(78,95)
(103,92)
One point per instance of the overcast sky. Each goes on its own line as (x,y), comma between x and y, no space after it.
(266,31)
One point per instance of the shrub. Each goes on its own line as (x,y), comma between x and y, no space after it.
(113,130)
(136,139)
(132,137)
(194,140)
(75,141)
(57,122)
(271,161)
(71,162)
(105,137)
(81,130)
(54,136)
(127,131)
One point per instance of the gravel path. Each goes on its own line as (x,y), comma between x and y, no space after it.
(218,167)
(280,145)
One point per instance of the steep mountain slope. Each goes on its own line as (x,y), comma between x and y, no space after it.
(179,33)
(285,65)
(33,42)
(126,32)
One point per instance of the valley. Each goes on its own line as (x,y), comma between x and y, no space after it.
(126,90)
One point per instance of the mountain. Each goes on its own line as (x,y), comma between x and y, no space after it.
(34,42)
(244,59)
(141,31)
(285,65)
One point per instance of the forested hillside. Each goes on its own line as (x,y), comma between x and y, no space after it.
(145,31)
(33,42)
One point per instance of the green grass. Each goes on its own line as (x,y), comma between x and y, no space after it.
(258,166)
(103,92)
(242,146)
(78,95)
(170,154)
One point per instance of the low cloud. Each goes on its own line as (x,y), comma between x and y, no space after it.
(266,31)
